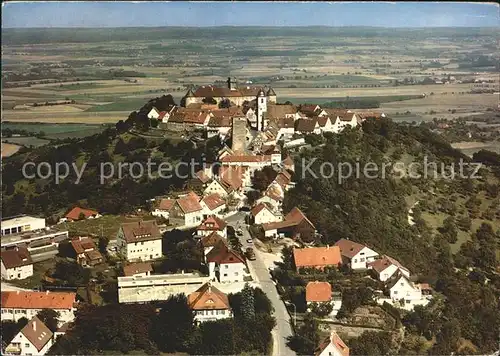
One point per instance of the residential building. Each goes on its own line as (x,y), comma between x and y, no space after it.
(218,187)
(385,267)
(208,242)
(16,263)
(188,209)
(34,339)
(22,224)
(139,241)
(219,125)
(355,255)
(332,346)
(295,225)
(321,293)
(154,113)
(317,257)
(163,208)
(226,265)
(140,289)
(78,213)
(27,304)
(209,304)
(263,213)
(86,251)
(404,293)
(343,121)
(212,224)
(307,126)
(34,240)
(273,195)
(139,269)
(213,204)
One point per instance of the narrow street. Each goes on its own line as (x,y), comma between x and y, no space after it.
(261,274)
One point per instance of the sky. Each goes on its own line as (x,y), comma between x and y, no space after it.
(203,14)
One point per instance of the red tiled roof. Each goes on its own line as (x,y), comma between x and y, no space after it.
(202,176)
(37,300)
(37,333)
(208,297)
(220,121)
(212,240)
(80,245)
(215,92)
(74,214)
(166,204)
(189,203)
(213,201)
(221,254)
(258,208)
(212,223)
(246,158)
(16,257)
(141,231)
(162,115)
(280,111)
(317,256)
(322,121)
(137,268)
(318,292)
(384,262)
(232,175)
(288,161)
(349,248)
(305,125)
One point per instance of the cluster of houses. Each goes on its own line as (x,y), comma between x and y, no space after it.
(257,106)
(35,338)
(400,290)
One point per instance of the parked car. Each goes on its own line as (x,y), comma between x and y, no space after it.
(250,241)
(250,254)
(239,233)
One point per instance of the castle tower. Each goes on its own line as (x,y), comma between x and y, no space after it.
(230,84)
(261,109)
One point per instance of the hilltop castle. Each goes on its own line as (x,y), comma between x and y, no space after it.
(236,95)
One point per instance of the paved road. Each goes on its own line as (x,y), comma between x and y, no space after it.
(259,270)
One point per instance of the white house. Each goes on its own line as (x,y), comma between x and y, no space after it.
(209,304)
(355,255)
(27,304)
(216,187)
(16,263)
(139,241)
(154,113)
(212,224)
(342,121)
(405,294)
(34,339)
(321,293)
(226,265)
(325,124)
(385,267)
(263,213)
(163,208)
(332,346)
(188,208)
(213,204)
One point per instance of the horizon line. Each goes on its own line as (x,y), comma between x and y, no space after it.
(255,26)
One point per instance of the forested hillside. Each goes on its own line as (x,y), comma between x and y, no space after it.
(458,258)
(115,145)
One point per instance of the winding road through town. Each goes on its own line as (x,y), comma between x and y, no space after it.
(262,276)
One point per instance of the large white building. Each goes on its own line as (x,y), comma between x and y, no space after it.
(139,241)
(16,263)
(141,289)
(24,304)
(209,304)
(22,224)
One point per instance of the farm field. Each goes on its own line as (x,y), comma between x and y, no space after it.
(109,74)
(8,149)
(26,141)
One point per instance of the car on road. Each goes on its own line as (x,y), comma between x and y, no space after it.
(250,254)
(250,241)
(239,233)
